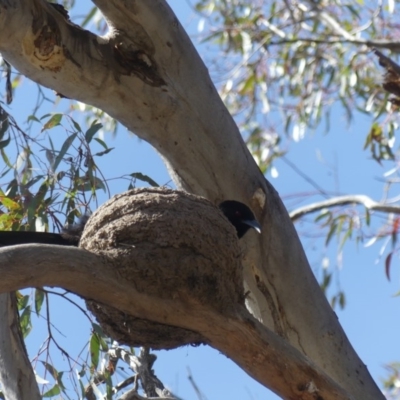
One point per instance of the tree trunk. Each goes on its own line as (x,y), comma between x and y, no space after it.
(16,375)
(146,74)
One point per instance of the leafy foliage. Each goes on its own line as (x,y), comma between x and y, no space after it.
(392,382)
(296,61)
(50,176)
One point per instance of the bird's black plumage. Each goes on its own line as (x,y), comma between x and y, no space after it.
(240,216)
(70,236)
(11,238)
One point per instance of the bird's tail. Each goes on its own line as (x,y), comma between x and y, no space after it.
(11,238)
(70,236)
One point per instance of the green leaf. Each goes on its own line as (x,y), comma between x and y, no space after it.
(101,153)
(97,329)
(324,214)
(34,181)
(54,391)
(53,372)
(66,145)
(25,321)
(22,301)
(367,217)
(101,142)
(330,233)
(76,125)
(5,143)
(344,238)
(5,159)
(248,85)
(7,221)
(33,118)
(144,178)
(10,204)
(39,297)
(4,123)
(94,347)
(93,183)
(52,122)
(394,238)
(109,386)
(100,334)
(92,131)
(83,390)
(325,281)
(342,300)
(103,344)
(341,220)
(60,382)
(37,201)
(388,261)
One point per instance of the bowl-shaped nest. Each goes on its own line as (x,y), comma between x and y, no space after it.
(168,244)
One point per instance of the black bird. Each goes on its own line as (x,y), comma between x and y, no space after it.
(70,236)
(240,216)
(11,238)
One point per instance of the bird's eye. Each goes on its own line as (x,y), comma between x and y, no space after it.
(238,214)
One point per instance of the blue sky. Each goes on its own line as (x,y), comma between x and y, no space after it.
(371,316)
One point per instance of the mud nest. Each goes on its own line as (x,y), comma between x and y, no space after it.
(168,244)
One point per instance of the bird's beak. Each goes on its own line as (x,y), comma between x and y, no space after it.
(253,224)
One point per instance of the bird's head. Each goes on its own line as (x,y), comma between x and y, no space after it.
(240,216)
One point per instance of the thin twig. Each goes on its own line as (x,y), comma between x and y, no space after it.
(367,202)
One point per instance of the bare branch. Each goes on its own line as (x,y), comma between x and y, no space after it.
(260,352)
(316,12)
(342,201)
(379,44)
(328,20)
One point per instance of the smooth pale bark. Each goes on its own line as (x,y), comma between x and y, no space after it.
(338,201)
(147,75)
(260,352)
(16,375)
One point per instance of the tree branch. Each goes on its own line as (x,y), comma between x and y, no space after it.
(263,354)
(316,11)
(379,44)
(16,373)
(367,202)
